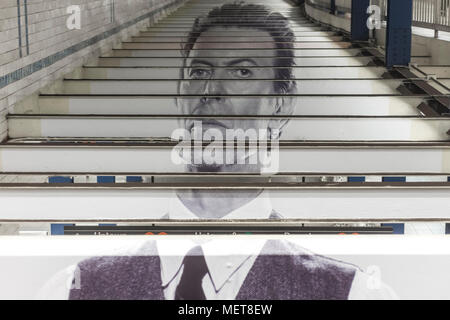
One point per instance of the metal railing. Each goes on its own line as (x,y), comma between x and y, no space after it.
(431,14)
(322,4)
(337,7)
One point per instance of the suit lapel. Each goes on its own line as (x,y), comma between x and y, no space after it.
(151,263)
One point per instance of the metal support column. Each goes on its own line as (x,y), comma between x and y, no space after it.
(398,32)
(359,29)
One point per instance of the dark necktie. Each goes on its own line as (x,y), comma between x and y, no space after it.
(195,268)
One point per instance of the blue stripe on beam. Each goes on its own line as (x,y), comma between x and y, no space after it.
(58,179)
(356,179)
(57,229)
(398,228)
(394,179)
(106,179)
(134,179)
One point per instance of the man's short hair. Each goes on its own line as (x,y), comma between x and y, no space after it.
(240,14)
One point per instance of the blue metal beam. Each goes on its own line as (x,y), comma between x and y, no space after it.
(57,229)
(398,32)
(397,228)
(359,29)
(332,6)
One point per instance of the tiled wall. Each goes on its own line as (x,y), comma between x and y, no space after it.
(53,50)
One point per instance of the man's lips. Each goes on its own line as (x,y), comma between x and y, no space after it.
(207,123)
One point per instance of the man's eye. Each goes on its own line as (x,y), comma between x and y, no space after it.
(242,73)
(199,73)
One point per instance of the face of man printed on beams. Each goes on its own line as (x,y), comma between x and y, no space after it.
(230,76)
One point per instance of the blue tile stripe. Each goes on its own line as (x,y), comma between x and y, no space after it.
(48,61)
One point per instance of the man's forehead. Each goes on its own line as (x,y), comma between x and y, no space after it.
(233,42)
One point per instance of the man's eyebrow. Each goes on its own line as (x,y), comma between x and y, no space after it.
(198,61)
(237,61)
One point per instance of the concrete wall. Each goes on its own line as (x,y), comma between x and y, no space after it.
(52,50)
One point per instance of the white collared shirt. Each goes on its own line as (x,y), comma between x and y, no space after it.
(258,208)
(228,262)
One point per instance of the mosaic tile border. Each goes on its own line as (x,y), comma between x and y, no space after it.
(48,61)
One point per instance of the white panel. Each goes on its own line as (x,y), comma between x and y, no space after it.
(177,53)
(27,264)
(439,71)
(92,204)
(167,24)
(323,87)
(146,159)
(168,33)
(175,62)
(94,160)
(424,228)
(236,40)
(316,105)
(75,246)
(299,31)
(174,73)
(445,82)
(420,60)
(357,106)
(394,129)
(298,45)
(187,28)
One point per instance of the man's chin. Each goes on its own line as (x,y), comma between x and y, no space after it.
(207,130)
(203,167)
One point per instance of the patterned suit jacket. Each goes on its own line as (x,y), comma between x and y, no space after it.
(282,271)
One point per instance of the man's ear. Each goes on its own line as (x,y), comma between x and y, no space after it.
(284,107)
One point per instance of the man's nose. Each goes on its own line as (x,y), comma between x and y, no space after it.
(213,93)
(214,87)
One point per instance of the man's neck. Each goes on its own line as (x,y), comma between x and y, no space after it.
(216,204)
